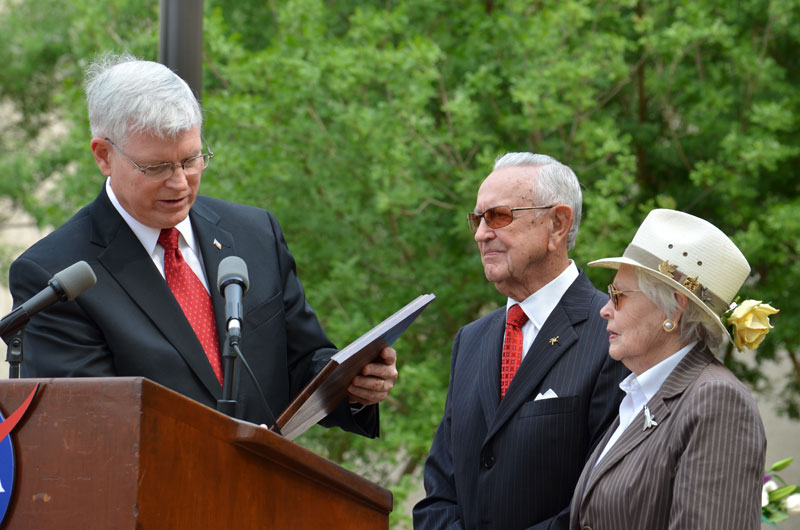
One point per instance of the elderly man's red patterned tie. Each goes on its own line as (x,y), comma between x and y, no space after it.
(512,347)
(192,297)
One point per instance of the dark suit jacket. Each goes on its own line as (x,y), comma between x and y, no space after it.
(513,464)
(129,323)
(702,466)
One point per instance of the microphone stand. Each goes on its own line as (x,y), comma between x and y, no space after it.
(14,351)
(13,332)
(227,405)
(230,354)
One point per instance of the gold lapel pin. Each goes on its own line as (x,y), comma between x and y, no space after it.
(217,244)
(554,340)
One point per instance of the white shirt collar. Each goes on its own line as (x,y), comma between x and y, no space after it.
(650,381)
(641,389)
(540,304)
(148,235)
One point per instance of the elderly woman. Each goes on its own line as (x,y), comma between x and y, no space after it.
(687,449)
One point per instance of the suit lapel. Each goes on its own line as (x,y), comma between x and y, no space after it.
(634,435)
(215,244)
(127,262)
(572,309)
(592,461)
(490,349)
(538,361)
(660,406)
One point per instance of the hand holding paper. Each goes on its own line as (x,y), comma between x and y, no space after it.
(364,371)
(376,379)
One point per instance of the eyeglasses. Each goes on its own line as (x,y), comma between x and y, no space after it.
(614,294)
(192,166)
(499,216)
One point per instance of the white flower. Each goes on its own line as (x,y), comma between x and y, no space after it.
(769,486)
(792,503)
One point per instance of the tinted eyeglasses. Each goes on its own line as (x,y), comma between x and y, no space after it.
(499,216)
(192,166)
(614,294)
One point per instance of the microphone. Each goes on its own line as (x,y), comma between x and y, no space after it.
(63,286)
(232,282)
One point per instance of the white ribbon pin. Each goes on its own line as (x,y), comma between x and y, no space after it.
(649,420)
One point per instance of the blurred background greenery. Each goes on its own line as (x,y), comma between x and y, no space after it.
(366,126)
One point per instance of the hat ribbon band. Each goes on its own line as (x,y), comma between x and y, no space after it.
(651,261)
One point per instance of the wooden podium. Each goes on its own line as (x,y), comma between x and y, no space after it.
(126,453)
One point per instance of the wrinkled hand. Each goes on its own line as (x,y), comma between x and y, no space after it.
(376,379)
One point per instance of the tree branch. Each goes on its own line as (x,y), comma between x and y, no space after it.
(796,365)
(450,128)
(427,202)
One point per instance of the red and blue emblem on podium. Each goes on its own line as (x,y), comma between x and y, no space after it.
(7,462)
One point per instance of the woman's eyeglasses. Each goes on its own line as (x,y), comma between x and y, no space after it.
(614,294)
(499,216)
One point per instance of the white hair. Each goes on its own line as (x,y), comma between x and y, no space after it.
(695,324)
(555,183)
(126,95)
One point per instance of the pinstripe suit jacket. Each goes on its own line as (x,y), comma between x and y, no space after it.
(514,464)
(701,467)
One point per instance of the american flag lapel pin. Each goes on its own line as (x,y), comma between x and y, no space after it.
(217,244)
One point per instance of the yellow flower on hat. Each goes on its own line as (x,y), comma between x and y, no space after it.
(750,321)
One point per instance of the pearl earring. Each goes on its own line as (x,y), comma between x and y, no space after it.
(668,325)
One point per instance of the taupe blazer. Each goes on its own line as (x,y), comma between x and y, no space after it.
(701,467)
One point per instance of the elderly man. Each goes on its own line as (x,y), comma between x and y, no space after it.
(532,388)
(155,246)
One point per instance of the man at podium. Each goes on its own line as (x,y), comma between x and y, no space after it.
(155,246)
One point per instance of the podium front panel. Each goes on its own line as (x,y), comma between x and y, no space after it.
(126,453)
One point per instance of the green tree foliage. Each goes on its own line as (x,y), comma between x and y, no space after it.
(367,126)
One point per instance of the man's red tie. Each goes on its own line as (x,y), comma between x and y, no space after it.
(192,297)
(512,347)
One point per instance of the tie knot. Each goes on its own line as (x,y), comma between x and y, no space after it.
(516,316)
(168,238)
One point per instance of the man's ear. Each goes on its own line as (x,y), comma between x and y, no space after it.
(562,217)
(101,150)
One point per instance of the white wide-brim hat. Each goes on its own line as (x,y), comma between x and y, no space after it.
(690,255)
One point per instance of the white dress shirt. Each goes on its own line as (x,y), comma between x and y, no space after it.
(639,389)
(540,304)
(148,237)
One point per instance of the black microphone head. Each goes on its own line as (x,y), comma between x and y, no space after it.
(232,269)
(73,280)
